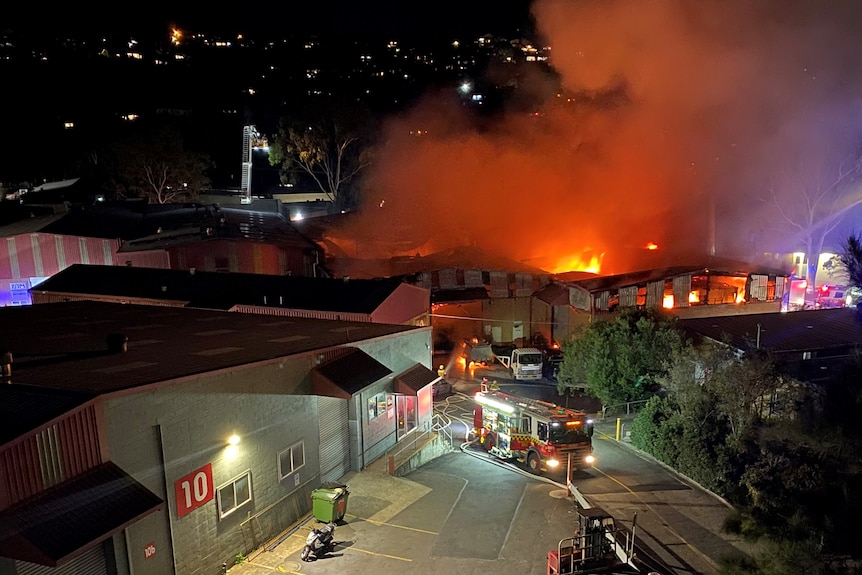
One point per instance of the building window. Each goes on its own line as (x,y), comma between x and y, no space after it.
(376,406)
(234,494)
(542,430)
(291,459)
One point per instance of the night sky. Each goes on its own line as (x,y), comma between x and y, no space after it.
(340,17)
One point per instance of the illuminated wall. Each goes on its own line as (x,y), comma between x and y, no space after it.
(17,291)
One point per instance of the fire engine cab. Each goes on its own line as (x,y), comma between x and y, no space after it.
(540,433)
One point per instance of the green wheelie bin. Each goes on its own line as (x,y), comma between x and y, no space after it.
(329,503)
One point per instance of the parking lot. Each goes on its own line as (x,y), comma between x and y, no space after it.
(457,512)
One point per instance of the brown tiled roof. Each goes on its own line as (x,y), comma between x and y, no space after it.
(71,517)
(417,377)
(353,372)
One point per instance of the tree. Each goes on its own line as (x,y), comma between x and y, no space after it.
(850,259)
(695,431)
(813,199)
(619,360)
(750,389)
(328,141)
(153,162)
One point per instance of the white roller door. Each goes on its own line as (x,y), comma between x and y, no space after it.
(92,562)
(334,438)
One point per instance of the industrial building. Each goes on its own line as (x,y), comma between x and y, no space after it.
(141,439)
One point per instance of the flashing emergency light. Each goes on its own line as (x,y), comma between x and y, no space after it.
(494,404)
(590,459)
(573,423)
(552,463)
(824,288)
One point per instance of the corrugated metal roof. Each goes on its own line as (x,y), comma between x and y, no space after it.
(711,266)
(204,223)
(219,290)
(63,345)
(797,331)
(30,225)
(148,226)
(463,257)
(554,294)
(71,517)
(56,185)
(353,372)
(27,408)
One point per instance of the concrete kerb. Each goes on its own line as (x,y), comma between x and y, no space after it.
(612,426)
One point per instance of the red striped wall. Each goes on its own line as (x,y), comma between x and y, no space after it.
(26,467)
(43,255)
(242,256)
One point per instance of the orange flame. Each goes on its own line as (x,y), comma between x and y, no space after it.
(577,263)
(652,246)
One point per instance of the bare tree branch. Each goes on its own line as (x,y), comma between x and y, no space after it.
(817,204)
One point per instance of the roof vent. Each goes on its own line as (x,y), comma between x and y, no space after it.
(117,342)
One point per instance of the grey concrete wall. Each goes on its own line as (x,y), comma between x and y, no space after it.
(503,313)
(430,451)
(162,434)
(398,354)
(378,434)
(186,425)
(540,318)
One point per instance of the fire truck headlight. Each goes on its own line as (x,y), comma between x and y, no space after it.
(552,463)
(590,459)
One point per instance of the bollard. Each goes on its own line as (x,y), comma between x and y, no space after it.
(619,428)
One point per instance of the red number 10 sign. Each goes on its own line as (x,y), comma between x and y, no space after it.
(194,489)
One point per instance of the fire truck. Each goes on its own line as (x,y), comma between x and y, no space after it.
(540,433)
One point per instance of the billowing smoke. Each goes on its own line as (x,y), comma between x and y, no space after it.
(667,112)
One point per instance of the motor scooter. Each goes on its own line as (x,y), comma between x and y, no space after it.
(318,543)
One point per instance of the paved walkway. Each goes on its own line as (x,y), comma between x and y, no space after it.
(375,497)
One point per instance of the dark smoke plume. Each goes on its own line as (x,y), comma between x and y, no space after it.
(669,111)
